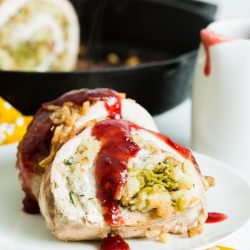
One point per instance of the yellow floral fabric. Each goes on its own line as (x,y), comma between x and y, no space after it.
(220,248)
(13,124)
(225,248)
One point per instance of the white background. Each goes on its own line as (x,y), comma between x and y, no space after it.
(232,8)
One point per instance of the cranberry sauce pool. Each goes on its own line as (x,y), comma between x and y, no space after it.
(111,165)
(36,144)
(214,217)
(209,39)
(114,243)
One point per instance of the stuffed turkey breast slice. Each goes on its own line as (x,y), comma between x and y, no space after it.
(40,35)
(59,120)
(118,176)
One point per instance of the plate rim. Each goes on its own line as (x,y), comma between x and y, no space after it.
(240,176)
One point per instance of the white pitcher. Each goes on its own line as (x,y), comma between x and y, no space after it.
(221,93)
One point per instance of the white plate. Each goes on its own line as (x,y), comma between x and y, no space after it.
(22,231)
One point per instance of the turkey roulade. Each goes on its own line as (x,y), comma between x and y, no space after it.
(58,121)
(39,35)
(118,177)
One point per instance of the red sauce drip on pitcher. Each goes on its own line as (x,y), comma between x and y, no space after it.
(209,38)
(214,217)
(114,243)
(111,165)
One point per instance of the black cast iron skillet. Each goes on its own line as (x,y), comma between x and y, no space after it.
(169,26)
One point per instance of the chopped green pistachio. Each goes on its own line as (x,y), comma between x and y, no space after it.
(156,184)
(162,174)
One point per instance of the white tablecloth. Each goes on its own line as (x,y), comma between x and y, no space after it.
(176,123)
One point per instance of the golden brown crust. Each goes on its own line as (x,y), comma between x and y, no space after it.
(193,231)
(64,118)
(210,180)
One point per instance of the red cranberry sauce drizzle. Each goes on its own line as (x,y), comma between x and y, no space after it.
(113,106)
(110,97)
(214,217)
(36,144)
(111,164)
(114,243)
(209,38)
(30,206)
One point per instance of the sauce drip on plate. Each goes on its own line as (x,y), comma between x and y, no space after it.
(111,165)
(214,217)
(36,144)
(209,38)
(114,243)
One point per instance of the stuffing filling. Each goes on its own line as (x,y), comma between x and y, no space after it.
(164,187)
